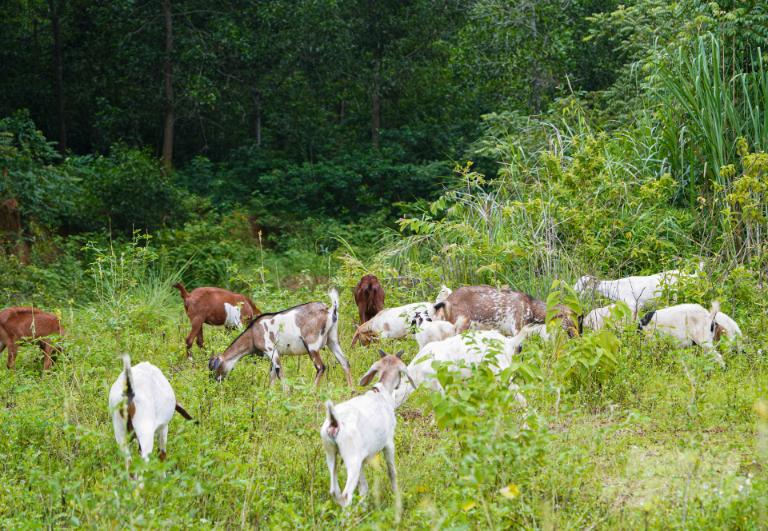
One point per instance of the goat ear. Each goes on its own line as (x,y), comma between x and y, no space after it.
(400,354)
(404,371)
(382,354)
(368,376)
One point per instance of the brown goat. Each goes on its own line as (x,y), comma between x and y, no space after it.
(369,297)
(504,310)
(206,306)
(21,321)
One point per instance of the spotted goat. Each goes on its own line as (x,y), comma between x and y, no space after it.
(303,329)
(505,310)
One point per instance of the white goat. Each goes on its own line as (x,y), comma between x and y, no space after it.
(635,291)
(303,329)
(392,323)
(470,348)
(690,324)
(430,331)
(360,428)
(141,400)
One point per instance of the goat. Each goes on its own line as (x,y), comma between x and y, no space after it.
(636,291)
(689,324)
(392,323)
(470,348)
(207,306)
(22,321)
(360,428)
(142,401)
(488,308)
(369,297)
(428,330)
(306,328)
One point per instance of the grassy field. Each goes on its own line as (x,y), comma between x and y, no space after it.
(669,440)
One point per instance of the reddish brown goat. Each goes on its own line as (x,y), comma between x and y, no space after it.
(206,305)
(19,322)
(369,297)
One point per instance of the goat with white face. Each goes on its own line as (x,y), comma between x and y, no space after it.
(142,401)
(469,348)
(303,329)
(360,428)
(689,324)
(392,323)
(635,291)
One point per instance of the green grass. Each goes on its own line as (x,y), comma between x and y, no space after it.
(668,441)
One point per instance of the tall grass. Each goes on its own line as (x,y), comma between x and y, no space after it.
(720,102)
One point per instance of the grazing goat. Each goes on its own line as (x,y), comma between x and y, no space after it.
(689,324)
(635,291)
(19,322)
(392,323)
(507,311)
(208,306)
(302,329)
(470,348)
(369,297)
(428,331)
(360,428)
(142,401)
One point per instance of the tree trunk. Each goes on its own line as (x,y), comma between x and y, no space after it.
(168,75)
(257,117)
(58,74)
(376,104)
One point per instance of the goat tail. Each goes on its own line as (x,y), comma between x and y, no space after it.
(183,413)
(333,420)
(333,293)
(182,290)
(714,310)
(129,388)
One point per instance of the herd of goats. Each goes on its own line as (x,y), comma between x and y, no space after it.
(461,328)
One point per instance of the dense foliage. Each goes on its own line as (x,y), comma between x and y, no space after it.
(507,142)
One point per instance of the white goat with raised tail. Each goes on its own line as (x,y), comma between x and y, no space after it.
(141,400)
(360,428)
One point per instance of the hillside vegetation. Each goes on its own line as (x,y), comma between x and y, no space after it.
(509,143)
